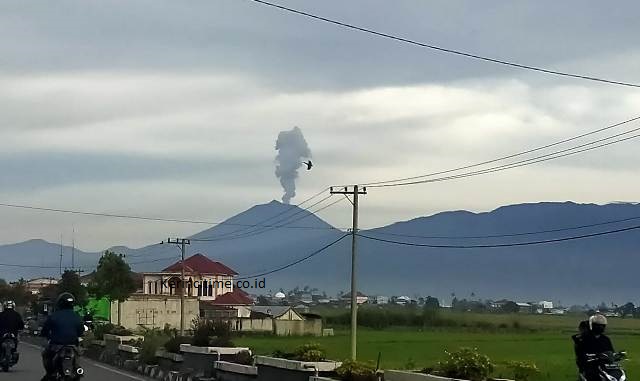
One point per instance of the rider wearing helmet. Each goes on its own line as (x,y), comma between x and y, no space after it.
(594,342)
(578,339)
(10,321)
(63,327)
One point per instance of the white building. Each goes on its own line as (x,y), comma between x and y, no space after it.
(382,299)
(36,285)
(204,279)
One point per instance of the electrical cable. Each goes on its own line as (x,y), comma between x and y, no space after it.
(446,50)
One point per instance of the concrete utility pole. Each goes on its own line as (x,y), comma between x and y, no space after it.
(355,192)
(182,242)
(61,254)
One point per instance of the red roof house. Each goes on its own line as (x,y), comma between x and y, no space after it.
(199,264)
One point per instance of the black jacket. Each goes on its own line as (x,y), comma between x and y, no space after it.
(10,322)
(63,327)
(591,344)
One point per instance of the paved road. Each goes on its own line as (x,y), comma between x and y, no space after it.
(30,368)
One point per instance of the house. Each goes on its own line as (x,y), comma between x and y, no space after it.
(203,278)
(159,301)
(544,307)
(278,320)
(360,298)
(36,285)
(275,312)
(524,308)
(236,304)
(402,300)
(381,299)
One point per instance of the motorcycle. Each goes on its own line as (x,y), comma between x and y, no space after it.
(8,355)
(66,364)
(607,366)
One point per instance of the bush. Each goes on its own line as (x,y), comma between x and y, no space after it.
(523,371)
(209,333)
(154,339)
(173,344)
(150,346)
(243,357)
(466,364)
(121,331)
(356,371)
(101,329)
(283,355)
(310,352)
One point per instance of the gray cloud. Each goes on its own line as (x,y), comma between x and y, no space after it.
(170,109)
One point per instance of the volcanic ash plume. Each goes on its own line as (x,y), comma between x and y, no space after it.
(292,149)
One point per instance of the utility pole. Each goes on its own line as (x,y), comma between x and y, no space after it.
(73,248)
(61,254)
(182,242)
(355,192)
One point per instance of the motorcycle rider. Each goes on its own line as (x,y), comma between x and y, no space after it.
(10,321)
(593,342)
(578,338)
(63,327)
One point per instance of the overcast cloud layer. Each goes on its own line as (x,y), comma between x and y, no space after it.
(170,109)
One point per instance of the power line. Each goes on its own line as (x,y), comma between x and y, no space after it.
(27,266)
(251,234)
(158,219)
(506,157)
(540,242)
(287,210)
(522,163)
(295,262)
(445,50)
(508,234)
(249,231)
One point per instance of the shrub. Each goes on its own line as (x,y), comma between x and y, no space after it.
(310,352)
(243,357)
(207,332)
(356,371)
(150,345)
(283,355)
(101,329)
(173,344)
(522,370)
(467,364)
(120,331)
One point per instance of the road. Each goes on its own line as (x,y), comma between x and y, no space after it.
(30,368)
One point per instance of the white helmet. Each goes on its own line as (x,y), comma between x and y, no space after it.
(9,305)
(597,323)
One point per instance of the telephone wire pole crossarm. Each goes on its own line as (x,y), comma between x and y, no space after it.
(354,191)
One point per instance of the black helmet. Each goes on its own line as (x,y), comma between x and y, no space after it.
(65,301)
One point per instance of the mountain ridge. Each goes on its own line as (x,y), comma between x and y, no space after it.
(575,270)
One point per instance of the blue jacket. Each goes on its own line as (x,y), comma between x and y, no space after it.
(63,327)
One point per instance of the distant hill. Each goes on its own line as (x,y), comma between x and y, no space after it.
(590,270)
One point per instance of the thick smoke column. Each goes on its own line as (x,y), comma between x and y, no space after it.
(292,149)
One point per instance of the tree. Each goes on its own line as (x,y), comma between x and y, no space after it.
(113,280)
(263,300)
(430,310)
(627,310)
(70,282)
(19,294)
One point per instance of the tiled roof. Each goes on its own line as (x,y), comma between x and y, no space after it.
(201,265)
(235,298)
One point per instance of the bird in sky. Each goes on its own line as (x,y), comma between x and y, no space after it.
(309,164)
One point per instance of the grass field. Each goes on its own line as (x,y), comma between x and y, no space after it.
(544,340)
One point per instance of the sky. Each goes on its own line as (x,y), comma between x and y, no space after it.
(171,109)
